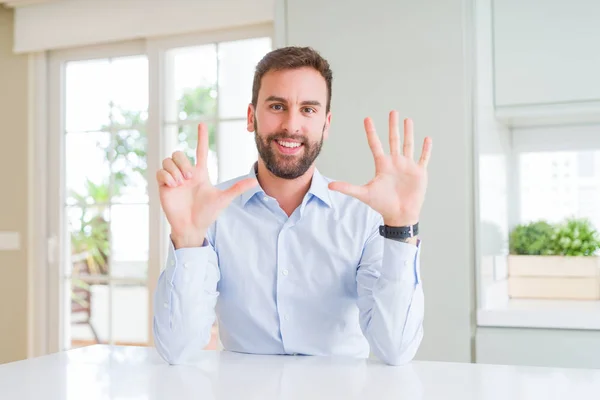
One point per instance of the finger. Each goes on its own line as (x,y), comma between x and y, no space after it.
(202,147)
(164,178)
(372,138)
(169,166)
(394,134)
(239,188)
(426,153)
(409,148)
(359,192)
(183,163)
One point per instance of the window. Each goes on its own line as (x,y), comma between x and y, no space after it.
(549,174)
(558,185)
(212,83)
(115,112)
(106,208)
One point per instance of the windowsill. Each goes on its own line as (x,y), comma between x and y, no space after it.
(549,314)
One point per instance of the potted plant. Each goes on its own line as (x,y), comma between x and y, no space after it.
(554,261)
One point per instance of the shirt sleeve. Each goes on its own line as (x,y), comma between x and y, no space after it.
(184,303)
(390,298)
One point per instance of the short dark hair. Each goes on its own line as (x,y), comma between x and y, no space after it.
(292,57)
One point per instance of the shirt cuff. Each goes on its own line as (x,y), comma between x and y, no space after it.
(188,260)
(401,261)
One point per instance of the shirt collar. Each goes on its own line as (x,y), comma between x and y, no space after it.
(319,187)
(247,195)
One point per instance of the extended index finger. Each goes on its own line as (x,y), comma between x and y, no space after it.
(202,147)
(373,139)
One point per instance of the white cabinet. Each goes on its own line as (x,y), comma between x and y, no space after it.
(546,52)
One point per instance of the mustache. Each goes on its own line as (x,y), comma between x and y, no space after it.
(283,136)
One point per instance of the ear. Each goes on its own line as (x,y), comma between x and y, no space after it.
(250,119)
(326,127)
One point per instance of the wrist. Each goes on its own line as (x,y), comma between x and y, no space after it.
(400,221)
(186,240)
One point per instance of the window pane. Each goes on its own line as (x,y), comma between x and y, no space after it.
(129,231)
(191,83)
(89,241)
(129,90)
(237,150)
(185,138)
(87,94)
(237,61)
(88,320)
(87,167)
(129,167)
(555,186)
(130,315)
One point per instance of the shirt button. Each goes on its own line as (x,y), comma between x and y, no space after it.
(406,263)
(166,305)
(284,272)
(172,262)
(286,317)
(186,265)
(265,198)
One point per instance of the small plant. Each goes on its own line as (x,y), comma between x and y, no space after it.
(573,237)
(531,239)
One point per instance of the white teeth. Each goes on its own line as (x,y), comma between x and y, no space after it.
(289,144)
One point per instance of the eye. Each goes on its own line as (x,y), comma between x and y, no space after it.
(309,110)
(277,107)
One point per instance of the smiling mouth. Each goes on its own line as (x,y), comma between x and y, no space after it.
(288,146)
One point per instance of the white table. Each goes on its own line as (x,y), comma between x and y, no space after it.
(104,372)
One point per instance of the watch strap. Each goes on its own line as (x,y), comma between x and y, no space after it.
(399,232)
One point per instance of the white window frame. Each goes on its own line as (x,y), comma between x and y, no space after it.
(47,150)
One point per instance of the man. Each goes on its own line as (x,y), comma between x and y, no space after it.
(291,262)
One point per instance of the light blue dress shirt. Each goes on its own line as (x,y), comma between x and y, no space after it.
(322,281)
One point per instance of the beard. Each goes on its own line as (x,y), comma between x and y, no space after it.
(287,166)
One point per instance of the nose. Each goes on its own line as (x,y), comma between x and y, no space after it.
(292,122)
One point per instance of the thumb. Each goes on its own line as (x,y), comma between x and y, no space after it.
(239,188)
(359,192)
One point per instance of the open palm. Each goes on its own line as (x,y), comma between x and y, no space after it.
(398,189)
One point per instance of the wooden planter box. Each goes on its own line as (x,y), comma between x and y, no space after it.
(554,277)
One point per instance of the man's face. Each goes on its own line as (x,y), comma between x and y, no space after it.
(290,121)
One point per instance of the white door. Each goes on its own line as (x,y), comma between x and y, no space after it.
(99,196)
(115,112)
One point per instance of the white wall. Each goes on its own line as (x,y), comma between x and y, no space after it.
(546,51)
(493,159)
(409,56)
(71,23)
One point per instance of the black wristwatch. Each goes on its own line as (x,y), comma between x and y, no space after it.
(400,233)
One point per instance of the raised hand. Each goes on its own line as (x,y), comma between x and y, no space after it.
(398,190)
(190,202)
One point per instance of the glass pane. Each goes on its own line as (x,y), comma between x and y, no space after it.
(87,91)
(87,167)
(237,61)
(192,74)
(129,167)
(555,186)
(89,244)
(130,232)
(129,90)
(185,138)
(130,315)
(88,321)
(237,150)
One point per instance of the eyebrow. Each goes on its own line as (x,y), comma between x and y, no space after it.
(304,103)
